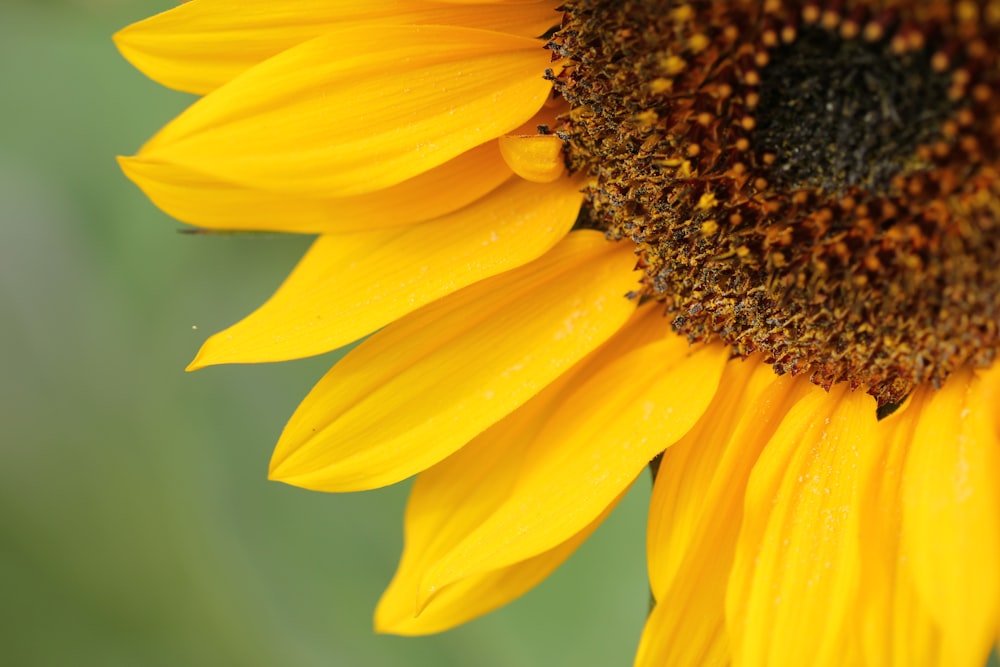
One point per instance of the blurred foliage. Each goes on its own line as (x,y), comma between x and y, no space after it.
(136,524)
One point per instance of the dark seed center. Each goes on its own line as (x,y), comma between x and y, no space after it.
(838,112)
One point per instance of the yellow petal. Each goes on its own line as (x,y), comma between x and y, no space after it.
(536,157)
(660,645)
(349,285)
(425,385)
(398,611)
(698,497)
(452,498)
(951,514)
(471,597)
(458,494)
(895,628)
(206,201)
(200,45)
(591,450)
(696,511)
(359,109)
(796,571)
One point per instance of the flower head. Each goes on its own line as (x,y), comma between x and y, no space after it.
(756,243)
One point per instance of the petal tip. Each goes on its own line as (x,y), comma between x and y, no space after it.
(278,459)
(125,163)
(393,616)
(388,619)
(286,467)
(218,350)
(120,40)
(136,169)
(202,359)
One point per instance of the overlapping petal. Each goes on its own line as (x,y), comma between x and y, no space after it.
(797,566)
(458,494)
(599,438)
(207,201)
(191,47)
(349,285)
(951,513)
(471,597)
(359,109)
(448,501)
(415,392)
(696,511)
(894,627)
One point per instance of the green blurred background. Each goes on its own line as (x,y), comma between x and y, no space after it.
(136,524)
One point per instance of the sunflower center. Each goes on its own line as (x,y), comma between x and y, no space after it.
(820,186)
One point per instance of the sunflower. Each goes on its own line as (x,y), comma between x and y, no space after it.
(752,245)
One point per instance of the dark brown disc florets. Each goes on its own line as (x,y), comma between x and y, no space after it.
(818,184)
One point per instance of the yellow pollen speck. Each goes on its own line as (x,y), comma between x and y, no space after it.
(940,61)
(661,85)
(967,11)
(683,13)
(673,64)
(698,43)
(709,227)
(707,201)
(646,118)
(849,29)
(873,32)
